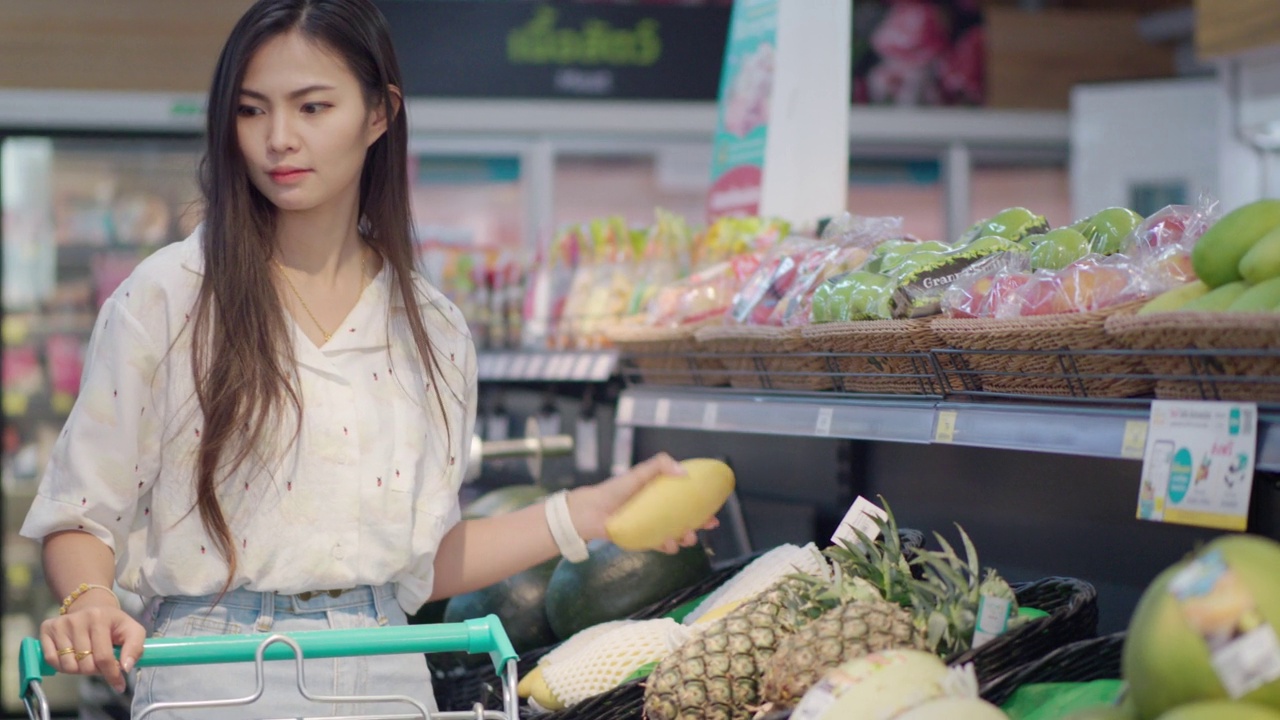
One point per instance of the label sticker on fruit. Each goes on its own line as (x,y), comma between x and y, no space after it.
(861,516)
(993,619)
(1243,647)
(1198,465)
(816,701)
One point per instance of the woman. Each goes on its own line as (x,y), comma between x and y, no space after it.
(275,412)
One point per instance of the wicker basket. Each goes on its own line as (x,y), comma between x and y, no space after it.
(459,689)
(1047,355)
(879,356)
(1083,661)
(667,356)
(761,356)
(1246,365)
(1073,609)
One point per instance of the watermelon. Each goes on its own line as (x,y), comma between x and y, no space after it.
(519,602)
(1221,710)
(613,583)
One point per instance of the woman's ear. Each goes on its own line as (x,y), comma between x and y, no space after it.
(378,121)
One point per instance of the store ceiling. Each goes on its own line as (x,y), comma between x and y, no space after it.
(1136,5)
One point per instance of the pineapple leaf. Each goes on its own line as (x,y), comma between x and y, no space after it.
(970,552)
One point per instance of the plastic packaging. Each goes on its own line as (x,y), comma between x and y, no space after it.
(985,285)
(1162,243)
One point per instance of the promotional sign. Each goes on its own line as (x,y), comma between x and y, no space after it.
(1198,465)
(781,146)
(468,49)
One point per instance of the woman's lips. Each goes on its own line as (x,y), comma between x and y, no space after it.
(287,177)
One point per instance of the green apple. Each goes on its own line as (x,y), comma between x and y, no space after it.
(1012,223)
(1108,228)
(1058,249)
(992,244)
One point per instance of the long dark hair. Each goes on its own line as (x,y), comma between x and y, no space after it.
(242,358)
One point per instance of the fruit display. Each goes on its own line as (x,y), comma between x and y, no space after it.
(1237,259)
(1204,630)
(774,647)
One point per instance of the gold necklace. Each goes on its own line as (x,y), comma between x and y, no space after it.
(364,280)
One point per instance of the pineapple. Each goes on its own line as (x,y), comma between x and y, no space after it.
(718,674)
(878,605)
(715,675)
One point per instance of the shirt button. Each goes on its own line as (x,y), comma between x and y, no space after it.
(339,552)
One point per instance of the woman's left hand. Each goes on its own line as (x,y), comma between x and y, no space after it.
(592,505)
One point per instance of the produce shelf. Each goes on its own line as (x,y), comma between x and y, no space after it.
(826,415)
(1048,427)
(575,366)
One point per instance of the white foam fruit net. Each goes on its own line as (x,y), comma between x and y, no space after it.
(581,639)
(761,574)
(611,657)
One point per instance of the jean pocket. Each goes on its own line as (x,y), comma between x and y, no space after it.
(196,621)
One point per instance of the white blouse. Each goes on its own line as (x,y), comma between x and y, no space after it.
(363,496)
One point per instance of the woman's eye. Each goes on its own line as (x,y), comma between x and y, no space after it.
(313,108)
(248,111)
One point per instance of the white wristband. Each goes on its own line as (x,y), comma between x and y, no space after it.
(571,544)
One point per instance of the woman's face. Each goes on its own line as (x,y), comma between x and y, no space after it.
(303,126)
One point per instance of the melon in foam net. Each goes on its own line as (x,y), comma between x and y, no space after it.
(760,575)
(607,659)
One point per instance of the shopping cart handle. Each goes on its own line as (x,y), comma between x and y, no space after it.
(483,635)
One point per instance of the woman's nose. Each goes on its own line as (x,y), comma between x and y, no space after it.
(282,138)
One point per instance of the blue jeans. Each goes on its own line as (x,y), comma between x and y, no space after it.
(241,612)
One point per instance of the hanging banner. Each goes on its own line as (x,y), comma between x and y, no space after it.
(781,145)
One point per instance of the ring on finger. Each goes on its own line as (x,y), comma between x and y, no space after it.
(82,654)
(66,651)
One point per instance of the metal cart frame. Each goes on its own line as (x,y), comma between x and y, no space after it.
(484,635)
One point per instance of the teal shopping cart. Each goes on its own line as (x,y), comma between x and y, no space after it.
(484,635)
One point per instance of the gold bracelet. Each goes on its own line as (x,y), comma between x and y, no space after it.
(84,588)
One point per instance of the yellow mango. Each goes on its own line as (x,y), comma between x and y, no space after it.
(1218,299)
(1259,298)
(671,505)
(524,688)
(1217,254)
(1262,262)
(539,691)
(1174,299)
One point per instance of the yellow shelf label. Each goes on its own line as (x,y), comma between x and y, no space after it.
(15,403)
(1135,440)
(945,431)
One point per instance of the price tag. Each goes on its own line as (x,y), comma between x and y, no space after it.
(626,407)
(1135,440)
(861,516)
(945,431)
(622,448)
(662,412)
(586,446)
(537,367)
(602,368)
(993,619)
(822,427)
(1197,468)
(561,367)
(582,367)
(501,367)
(519,366)
(710,414)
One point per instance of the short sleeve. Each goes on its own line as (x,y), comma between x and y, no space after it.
(438,509)
(109,444)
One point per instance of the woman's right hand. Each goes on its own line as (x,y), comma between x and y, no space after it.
(90,631)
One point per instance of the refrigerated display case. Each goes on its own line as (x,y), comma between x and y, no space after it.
(80,212)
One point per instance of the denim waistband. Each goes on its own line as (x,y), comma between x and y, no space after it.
(266,602)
